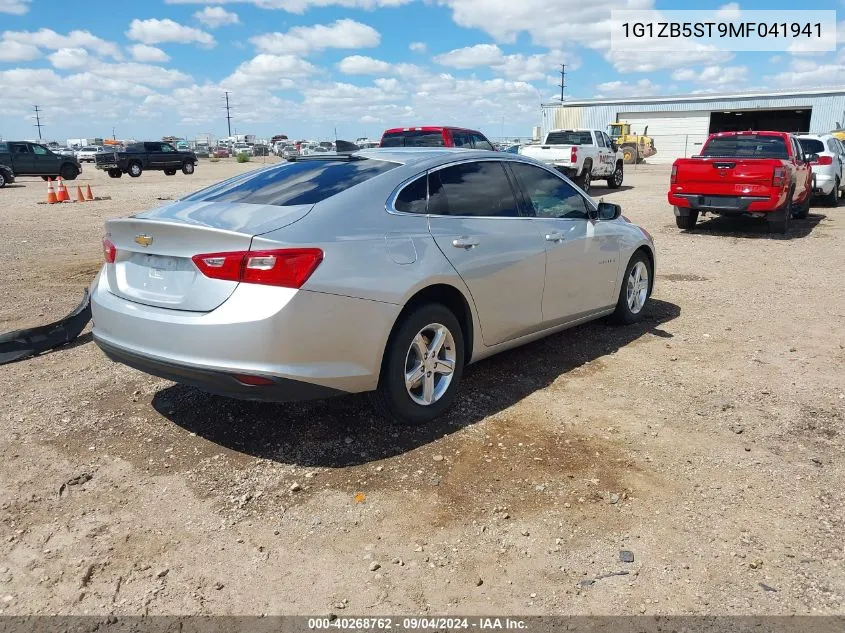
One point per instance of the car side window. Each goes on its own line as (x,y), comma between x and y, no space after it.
(152,147)
(549,195)
(40,151)
(461,139)
(600,139)
(167,148)
(19,148)
(413,198)
(481,143)
(476,189)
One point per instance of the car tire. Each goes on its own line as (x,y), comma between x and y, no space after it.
(68,172)
(687,222)
(169,172)
(188,168)
(832,199)
(783,218)
(402,401)
(115,173)
(45,178)
(134,169)
(2,180)
(615,180)
(585,180)
(803,210)
(635,290)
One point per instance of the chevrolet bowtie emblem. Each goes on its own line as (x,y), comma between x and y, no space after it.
(143,240)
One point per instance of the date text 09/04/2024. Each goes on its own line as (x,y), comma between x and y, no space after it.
(720,29)
(417,624)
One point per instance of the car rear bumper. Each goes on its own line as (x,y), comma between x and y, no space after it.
(823,184)
(726,205)
(330,342)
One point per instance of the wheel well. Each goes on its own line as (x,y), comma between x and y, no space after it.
(620,163)
(450,297)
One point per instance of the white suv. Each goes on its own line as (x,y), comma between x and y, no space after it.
(828,165)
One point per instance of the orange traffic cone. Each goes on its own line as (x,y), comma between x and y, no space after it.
(79,196)
(62,195)
(51,193)
(88,194)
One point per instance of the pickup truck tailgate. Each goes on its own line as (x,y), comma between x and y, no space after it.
(725,176)
(555,154)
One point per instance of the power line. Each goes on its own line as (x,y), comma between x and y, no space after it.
(228,113)
(38,121)
(562,83)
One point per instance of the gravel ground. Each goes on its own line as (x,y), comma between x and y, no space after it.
(706,441)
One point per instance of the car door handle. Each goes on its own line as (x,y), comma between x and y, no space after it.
(465,242)
(554,237)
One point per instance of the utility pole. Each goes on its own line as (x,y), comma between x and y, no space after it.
(113,137)
(562,83)
(38,121)
(228,113)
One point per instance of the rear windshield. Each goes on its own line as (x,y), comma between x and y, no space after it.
(569,137)
(746,146)
(413,138)
(811,145)
(302,182)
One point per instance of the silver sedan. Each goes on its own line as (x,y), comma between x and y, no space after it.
(384,270)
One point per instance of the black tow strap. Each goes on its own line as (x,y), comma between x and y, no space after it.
(35,340)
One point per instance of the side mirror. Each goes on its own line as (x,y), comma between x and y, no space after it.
(608,211)
(614,146)
(811,158)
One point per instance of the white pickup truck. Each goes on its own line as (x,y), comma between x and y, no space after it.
(582,155)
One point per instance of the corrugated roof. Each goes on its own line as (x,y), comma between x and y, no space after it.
(707,96)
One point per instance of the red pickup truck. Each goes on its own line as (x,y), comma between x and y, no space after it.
(761,174)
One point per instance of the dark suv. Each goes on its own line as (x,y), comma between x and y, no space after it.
(435,136)
(34,159)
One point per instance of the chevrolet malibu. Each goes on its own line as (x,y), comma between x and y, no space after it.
(383,271)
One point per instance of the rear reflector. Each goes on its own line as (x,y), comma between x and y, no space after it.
(674,177)
(255,381)
(573,155)
(109,251)
(286,267)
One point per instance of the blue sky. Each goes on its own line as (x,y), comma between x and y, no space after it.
(307,67)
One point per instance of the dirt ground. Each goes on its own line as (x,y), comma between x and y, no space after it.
(708,441)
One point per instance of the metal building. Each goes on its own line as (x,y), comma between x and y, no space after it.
(680,124)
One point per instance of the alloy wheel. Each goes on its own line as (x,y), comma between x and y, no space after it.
(430,364)
(637,292)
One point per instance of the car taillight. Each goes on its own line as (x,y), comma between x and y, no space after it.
(779,177)
(286,267)
(823,160)
(109,251)
(674,178)
(573,157)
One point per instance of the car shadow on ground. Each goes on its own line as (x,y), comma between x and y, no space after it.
(318,433)
(604,189)
(753,228)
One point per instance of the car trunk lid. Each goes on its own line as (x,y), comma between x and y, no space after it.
(153,264)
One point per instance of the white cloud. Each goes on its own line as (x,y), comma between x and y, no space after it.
(720,76)
(641,88)
(362,65)
(144,53)
(646,62)
(67,58)
(155,31)
(810,73)
(15,7)
(270,72)
(49,39)
(417,47)
(301,6)
(11,51)
(302,40)
(214,17)
(729,11)
(471,56)
(517,66)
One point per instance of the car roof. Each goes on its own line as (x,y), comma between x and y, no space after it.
(817,137)
(429,128)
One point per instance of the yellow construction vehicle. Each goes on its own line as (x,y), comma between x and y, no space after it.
(635,147)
